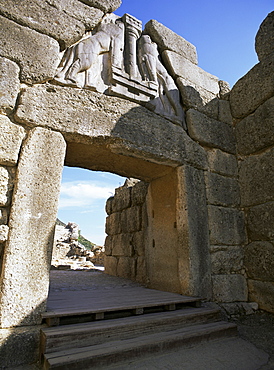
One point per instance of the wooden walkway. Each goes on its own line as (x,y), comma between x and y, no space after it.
(98,303)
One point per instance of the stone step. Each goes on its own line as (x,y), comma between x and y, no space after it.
(94,333)
(105,354)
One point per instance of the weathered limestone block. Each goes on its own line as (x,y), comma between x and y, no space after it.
(107,6)
(110,264)
(6,186)
(66,20)
(226,225)
(262,292)
(141,272)
(222,190)
(229,288)
(259,261)
(138,243)
(131,219)
(222,163)
(10,141)
(108,245)
(37,54)
(3,216)
(113,224)
(19,346)
(264,41)
(253,89)
(138,193)
(10,84)
(169,40)
(4,230)
(179,66)
(224,114)
(81,115)
(260,222)
(224,90)
(256,177)
(226,260)
(109,204)
(126,268)
(256,131)
(27,255)
(122,245)
(193,232)
(196,97)
(122,199)
(210,132)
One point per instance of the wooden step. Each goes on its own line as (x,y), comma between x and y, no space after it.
(94,333)
(112,352)
(71,307)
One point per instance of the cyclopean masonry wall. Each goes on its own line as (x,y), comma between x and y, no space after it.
(138,106)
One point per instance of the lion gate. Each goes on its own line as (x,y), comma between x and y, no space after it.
(133,102)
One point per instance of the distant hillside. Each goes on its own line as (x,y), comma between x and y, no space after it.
(88,244)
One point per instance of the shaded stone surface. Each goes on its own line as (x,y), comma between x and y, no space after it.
(259,261)
(226,226)
(264,41)
(106,6)
(210,132)
(36,54)
(222,162)
(169,40)
(10,141)
(9,88)
(262,292)
(253,89)
(256,177)
(226,260)
(32,223)
(179,66)
(260,222)
(222,190)
(229,288)
(66,20)
(256,131)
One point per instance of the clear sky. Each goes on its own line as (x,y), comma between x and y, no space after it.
(223,33)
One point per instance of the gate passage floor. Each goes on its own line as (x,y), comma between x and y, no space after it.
(227,354)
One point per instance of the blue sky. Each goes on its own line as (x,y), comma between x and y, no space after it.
(223,33)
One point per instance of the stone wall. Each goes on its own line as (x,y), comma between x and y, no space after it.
(252,103)
(126,226)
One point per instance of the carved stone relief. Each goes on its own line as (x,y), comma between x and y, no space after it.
(117,59)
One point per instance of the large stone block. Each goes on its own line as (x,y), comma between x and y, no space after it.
(37,54)
(66,21)
(122,245)
(262,292)
(27,255)
(229,288)
(10,141)
(169,40)
(196,97)
(139,192)
(107,6)
(224,114)
(264,41)
(110,264)
(131,219)
(4,230)
(222,190)
(10,84)
(253,89)
(226,260)
(259,261)
(126,267)
(122,199)
(138,243)
(126,127)
(256,177)
(6,186)
(222,163)
(113,224)
(210,132)
(226,226)
(108,207)
(256,131)
(260,222)
(179,66)
(141,272)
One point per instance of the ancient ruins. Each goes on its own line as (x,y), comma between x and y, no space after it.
(106,93)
